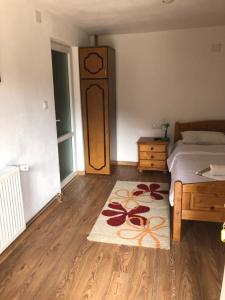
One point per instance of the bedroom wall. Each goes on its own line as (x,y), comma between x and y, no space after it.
(27,132)
(166,76)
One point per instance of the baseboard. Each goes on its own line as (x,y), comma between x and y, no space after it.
(124,163)
(57,197)
(81,173)
(114,163)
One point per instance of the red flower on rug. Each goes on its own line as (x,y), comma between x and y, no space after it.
(119,214)
(153,189)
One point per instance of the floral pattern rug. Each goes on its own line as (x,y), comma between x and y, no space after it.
(135,214)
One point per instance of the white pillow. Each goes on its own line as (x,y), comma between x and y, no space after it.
(203,137)
(217,170)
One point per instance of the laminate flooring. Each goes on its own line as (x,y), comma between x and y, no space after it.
(54,260)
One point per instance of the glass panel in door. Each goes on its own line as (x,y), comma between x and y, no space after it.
(65,158)
(61,92)
(61,80)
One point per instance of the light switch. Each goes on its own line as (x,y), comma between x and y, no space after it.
(45,105)
(156,126)
(38,16)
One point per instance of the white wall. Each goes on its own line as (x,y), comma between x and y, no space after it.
(166,76)
(27,132)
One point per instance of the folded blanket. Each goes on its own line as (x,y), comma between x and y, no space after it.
(217,170)
(208,172)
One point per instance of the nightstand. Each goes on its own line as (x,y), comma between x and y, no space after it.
(152,154)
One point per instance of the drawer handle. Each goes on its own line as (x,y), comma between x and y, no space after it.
(152,148)
(212,207)
(152,156)
(152,164)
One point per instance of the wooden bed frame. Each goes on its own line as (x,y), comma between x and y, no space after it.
(198,201)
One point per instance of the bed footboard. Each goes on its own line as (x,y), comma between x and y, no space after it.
(198,201)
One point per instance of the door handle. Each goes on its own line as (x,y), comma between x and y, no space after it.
(58,120)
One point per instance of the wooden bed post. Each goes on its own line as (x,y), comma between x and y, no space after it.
(177,213)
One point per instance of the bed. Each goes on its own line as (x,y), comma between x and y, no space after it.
(195,197)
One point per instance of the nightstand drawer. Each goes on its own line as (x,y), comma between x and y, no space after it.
(153,156)
(155,164)
(153,148)
(201,202)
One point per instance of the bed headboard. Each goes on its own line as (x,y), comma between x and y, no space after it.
(212,125)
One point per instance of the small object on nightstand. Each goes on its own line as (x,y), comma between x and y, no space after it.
(165,127)
(152,154)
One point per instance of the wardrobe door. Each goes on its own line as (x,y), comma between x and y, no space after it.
(94,95)
(93,62)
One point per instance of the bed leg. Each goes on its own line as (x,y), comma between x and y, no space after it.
(177,213)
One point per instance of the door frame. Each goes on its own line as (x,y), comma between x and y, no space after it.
(61,47)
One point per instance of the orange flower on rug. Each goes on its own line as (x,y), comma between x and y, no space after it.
(135,214)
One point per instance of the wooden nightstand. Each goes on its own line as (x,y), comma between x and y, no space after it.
(152,154)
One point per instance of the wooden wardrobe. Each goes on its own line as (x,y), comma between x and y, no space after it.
(98,97)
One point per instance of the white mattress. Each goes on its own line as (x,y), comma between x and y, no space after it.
(186,160)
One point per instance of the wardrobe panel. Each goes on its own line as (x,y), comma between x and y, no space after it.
(96,131)
(93,63)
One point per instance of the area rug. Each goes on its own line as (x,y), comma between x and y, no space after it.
(135,214)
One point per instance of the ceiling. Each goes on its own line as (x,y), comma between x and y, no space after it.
(126,16)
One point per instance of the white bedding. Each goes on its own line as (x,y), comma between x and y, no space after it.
(186,160)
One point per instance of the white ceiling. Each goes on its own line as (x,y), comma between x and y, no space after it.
(125,16)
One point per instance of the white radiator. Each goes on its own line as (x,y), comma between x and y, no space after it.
(12,222)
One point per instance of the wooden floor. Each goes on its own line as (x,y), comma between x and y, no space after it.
(54,260)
